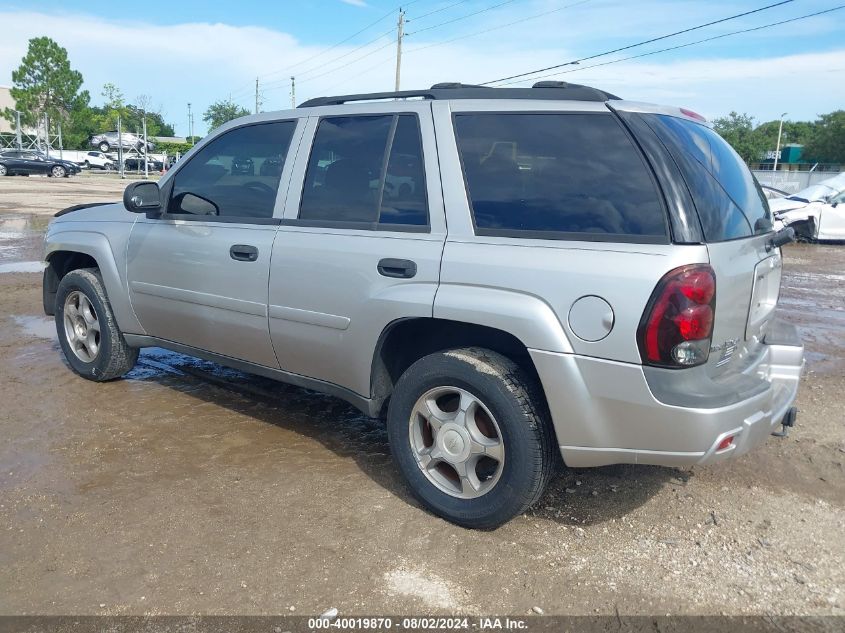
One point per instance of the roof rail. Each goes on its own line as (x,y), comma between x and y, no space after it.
(551,84)
(372,96)
(551,90)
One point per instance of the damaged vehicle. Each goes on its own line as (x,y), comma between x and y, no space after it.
(458,262)
(817,213)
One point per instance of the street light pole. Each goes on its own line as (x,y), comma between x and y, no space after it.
(190,125)
(777,149)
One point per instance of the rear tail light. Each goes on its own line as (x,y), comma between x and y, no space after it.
(677,324)
(693,115)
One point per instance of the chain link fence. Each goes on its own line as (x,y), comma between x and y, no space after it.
(792,181)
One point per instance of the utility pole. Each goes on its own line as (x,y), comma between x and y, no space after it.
(120,148)
(292,91)
(146,169)
(400,33)
(256,95)
(190,125)
(777,149)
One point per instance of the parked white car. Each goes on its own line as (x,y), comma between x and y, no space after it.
(97,160)
(816,213)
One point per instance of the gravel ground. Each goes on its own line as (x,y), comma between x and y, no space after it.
(190,488)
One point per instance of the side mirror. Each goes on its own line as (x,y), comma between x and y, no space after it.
(142,197)
(195,205)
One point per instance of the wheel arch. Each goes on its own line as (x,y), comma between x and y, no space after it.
(404,341)
(72,250)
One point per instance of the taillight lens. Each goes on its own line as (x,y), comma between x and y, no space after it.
(677,325)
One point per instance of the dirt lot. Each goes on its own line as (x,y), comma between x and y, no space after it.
(189,488)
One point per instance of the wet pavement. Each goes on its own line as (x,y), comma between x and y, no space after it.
(192,488)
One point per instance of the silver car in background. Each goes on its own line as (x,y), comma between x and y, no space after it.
(513,278)
(109,141)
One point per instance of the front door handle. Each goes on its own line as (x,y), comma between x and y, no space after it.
(243,253)
(400,268)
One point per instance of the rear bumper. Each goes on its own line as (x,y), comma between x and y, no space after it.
(605,412)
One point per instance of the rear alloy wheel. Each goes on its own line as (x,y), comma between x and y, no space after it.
(469,430)
(88,334)
(3,170)
(457,442)
(58,171)
(103,147)
(86,165)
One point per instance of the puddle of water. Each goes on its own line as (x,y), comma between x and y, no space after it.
(38,326)
(21,238)
(22,267)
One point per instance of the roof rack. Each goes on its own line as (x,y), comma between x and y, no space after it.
(545,90)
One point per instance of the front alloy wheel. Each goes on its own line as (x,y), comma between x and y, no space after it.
(58,171)
(82,327)
(88,333)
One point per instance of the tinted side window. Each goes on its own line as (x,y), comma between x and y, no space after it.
(366,169)
(728,198)
(236,174)
(557,174)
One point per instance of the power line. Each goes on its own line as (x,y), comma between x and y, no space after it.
(425,15)
(463,17)
(369,69)
(497,28)
(339,57)
(649,41)
(673,48)
(329,72)
(334,46)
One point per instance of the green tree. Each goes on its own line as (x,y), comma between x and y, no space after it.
(798,132)
(45,85)
(738,130)
(221,111)
(827,143)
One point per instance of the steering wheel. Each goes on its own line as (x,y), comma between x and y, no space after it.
(260,186)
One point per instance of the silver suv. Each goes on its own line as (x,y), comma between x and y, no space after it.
(509,276)
(112,140)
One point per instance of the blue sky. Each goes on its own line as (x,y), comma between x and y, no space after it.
(199,52)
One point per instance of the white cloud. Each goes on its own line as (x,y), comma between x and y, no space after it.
(355,3)
(202,62)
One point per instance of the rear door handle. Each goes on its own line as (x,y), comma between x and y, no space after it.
(243,253)
(399,268)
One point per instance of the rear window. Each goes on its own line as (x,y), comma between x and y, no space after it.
(729,200)
(557,176)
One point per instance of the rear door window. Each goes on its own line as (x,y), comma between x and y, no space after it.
(366,171)
(558,176)
(729,200)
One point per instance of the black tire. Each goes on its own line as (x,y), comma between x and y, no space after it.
(518,406)
(86,165)
(4,171)
(57,171)
(114,357)
(103,147)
